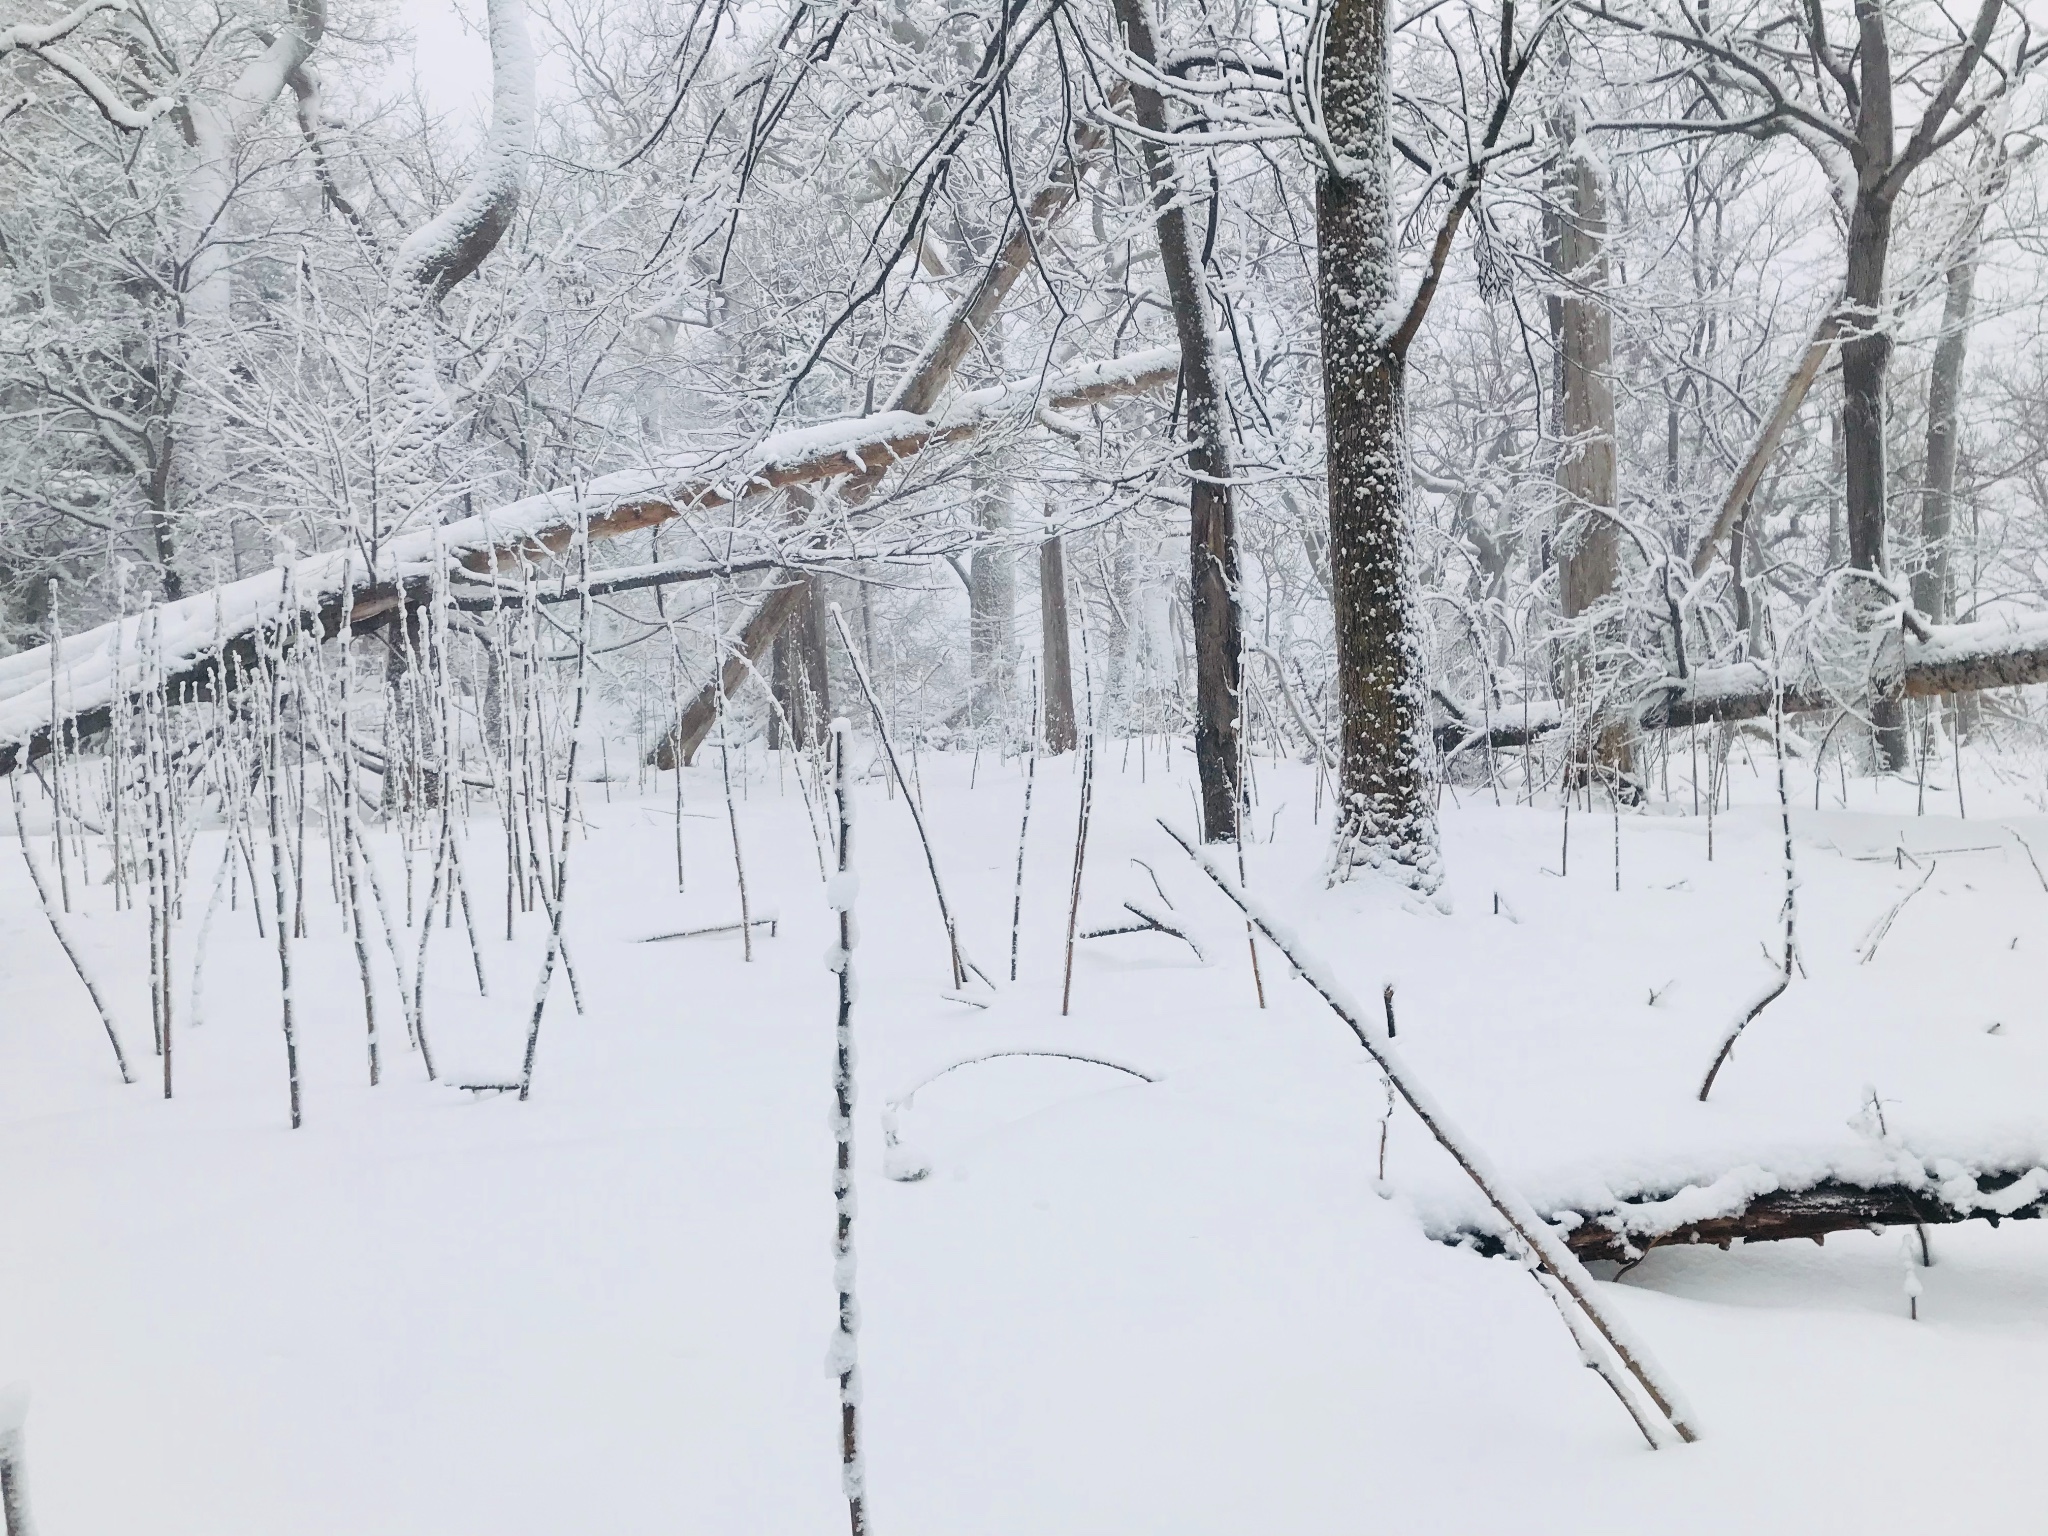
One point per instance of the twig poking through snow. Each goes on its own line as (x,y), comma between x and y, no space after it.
(1788,910)
(1080,854)
(1147,922)
(64,939)
(845,1356)
(1884,924)
(557,947)
(1024,826)
(2030,857)
(1546,1253)
(770,922)
(860,675)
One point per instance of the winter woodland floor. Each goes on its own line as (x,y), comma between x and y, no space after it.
(1113,1306)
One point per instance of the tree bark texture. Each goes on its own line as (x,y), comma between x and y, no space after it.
(1933,588)
(1212,531)
(1061,734)
(1589,564)
(992,610)
(1590,557)
(1386,819)
(1866,353)
(798,675)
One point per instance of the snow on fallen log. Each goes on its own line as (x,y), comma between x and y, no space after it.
(1952,658)
(198,638)
(1753,1204)
(1611,1348)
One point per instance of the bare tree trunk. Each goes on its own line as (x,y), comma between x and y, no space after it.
(1385,816)
(1866,357)
(785,699)
(1589,564)
(1212,532)
(413,414)
(992,607)
(760,630)
(1933,588)
(1061,734)
(807,631)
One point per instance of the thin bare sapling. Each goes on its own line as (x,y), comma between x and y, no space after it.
(732,814)
(560,863)
(840,893)
(57,927)
(271,748)
(1024,826)
(955,954)
(1788,907)
(1080,857)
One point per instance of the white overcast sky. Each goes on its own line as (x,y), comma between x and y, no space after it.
(451,56)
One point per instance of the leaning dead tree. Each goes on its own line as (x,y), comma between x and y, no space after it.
(207,639)
(918,392)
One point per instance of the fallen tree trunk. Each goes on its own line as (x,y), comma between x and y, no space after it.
(1630,1230)
(1953,658)
(205,641)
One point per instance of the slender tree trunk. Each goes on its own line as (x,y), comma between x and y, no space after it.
(810,665)
(1590,556)
(1933,588)
(797,674)
(1385,816)
(1589,565)
(778,675)
(1212,534)
(992,605)
(1866,354)
(1061,734)
(1866,357)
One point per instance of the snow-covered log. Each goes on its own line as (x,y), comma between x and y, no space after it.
(210,638)
(1953,658)
(1749,1205)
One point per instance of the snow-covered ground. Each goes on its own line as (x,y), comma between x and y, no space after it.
(1114,1305)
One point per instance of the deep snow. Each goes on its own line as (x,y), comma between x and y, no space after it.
(1112,1306)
